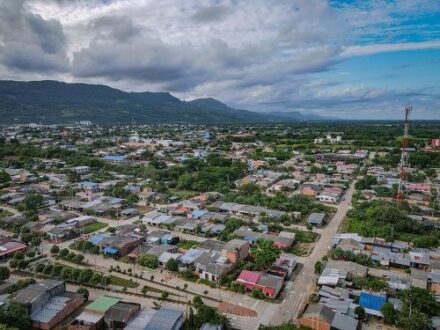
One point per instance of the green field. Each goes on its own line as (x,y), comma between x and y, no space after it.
(94,226)
(119,281)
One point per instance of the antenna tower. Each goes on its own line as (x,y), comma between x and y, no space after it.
(404,158)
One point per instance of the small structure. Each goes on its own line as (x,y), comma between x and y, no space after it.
(372,303)
(317,219)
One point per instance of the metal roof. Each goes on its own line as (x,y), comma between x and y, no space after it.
(102,304)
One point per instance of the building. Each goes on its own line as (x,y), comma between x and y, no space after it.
(47,303)
(9,247)
(372,303)
(162,319)
(321,317)
(236,250)
(93,315)
(268,284)
(317,219)
(118,315)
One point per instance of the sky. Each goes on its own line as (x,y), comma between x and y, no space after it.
(350,59)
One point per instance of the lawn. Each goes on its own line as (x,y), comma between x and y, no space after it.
(119,281)
(94,226)
(187,244)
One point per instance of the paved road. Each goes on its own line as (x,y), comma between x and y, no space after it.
(296,298)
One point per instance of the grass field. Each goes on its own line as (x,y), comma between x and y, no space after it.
(187,244)
(119,281)
(94,226)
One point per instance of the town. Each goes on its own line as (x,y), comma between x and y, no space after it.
(281,226)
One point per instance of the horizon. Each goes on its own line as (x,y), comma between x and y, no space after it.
(353,60)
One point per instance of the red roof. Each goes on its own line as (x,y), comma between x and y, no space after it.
(249,276)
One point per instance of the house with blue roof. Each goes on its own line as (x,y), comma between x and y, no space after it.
(197,214)
(372,303)
(89,186)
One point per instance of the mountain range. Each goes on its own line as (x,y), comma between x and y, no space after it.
(54,102)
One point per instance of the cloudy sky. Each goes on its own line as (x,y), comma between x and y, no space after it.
(347,58)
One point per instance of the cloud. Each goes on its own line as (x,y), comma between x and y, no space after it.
(386,48)
(210,14)
(28,42)
(255,54)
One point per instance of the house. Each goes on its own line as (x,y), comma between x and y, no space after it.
(9,247)
(81,169)
(115,158)
(62,232)
(270,285)
(93,315)
(119,245)
(284,265)
(48,303)
(317,219)
(332,276)
(162,319)
(89,186)
(321,317)
(329,197)
(372,303)
(119,314)
(236,250)
(212,266)
(80,221)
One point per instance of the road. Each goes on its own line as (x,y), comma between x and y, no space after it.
(298,295)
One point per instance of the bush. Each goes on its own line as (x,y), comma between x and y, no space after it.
(258,294)
(172,265)
(148,260)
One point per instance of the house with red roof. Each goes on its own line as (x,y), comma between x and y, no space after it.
(270,285)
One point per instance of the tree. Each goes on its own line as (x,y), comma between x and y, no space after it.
(4,177)
(15,315)
(78,258)
(265,254)
(84,292)
(416,321)
(164,295)
(55,249)
(85,276)
(64,253)
(172,265)
(148,260)
(4,273)
(318,267)
(360,312)
(389,313)
(421,299)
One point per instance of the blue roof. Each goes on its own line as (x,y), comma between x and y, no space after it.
(114,158)
(96,239)
(198,213)
(371,301)
(251,239)
(110,250)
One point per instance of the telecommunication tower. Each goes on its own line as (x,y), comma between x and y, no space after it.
(404,158)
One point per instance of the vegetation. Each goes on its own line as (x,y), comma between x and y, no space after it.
(204,314)
(148,260)
(379,218)
(187,244)
(93,226)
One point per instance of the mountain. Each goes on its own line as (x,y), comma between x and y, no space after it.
(52,102)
